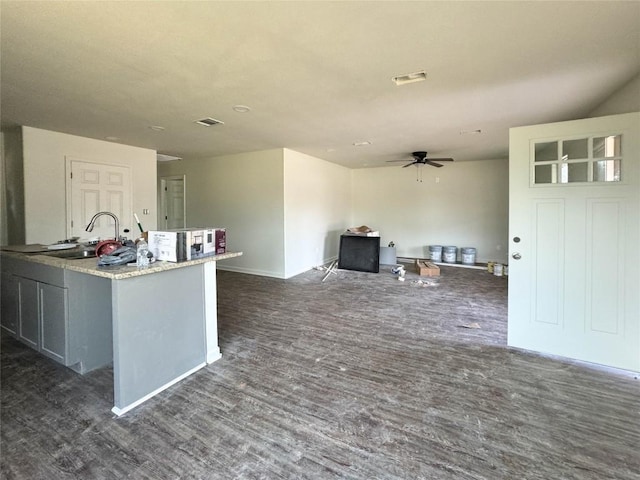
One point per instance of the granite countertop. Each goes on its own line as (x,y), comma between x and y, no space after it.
(118,272)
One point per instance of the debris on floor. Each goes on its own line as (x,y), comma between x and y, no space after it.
(400,271)
(427,282)
(331,268)
(475,325)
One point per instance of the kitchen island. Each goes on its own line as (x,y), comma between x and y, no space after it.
(157,325)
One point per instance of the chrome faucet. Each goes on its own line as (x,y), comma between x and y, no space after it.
(99,214)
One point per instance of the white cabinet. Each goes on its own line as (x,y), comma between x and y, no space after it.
(36,313)
(9,302)
(28,312)
(64,315)
(53,319)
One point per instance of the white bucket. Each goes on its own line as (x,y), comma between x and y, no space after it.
(468,255)
(435,253)
(497,269)
(449,254)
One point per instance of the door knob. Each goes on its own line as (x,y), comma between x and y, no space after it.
(516,256)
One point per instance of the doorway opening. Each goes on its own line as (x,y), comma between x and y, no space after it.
(172,202)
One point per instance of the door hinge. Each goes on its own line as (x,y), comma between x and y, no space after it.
(70,174)
(71,223)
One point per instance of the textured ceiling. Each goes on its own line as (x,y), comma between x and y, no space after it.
(316,75)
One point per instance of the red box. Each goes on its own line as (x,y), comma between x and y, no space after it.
(219,240)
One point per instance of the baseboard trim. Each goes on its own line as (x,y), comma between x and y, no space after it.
(476,266)
(121,411)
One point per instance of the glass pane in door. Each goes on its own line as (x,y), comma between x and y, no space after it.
(575,149)
(546,151)
(606,147)
(575,172)
(606,171)
(546,174)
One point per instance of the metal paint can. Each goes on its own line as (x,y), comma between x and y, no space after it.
(490,265)
(435,253)
(449,254)
(468,255)
(497,269)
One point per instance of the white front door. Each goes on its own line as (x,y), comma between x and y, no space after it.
(574,228)
(172,202)
(96,187)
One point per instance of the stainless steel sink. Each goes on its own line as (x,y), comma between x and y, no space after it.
(74,254)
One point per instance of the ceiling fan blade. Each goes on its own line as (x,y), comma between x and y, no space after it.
(403,160)
(409,164)
(433,164)
(441,159)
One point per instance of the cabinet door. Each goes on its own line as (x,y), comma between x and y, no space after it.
(28,312)
(9,302)
(53,321)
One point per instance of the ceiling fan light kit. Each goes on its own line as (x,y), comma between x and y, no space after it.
(420,158)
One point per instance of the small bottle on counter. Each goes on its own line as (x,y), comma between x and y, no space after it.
(142,254)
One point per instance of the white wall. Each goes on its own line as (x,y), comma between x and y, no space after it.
(625,100)
(244,194)
(284,210)
(317,206)
(4,220)
(44,154)
(12,211)
(467,207)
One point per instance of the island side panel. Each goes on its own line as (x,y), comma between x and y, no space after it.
(211,312)
(90,329)
(158,332)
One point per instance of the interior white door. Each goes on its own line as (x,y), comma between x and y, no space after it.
(574,227)
(172,190)
(96,187)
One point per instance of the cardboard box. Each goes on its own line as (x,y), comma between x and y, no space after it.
(206,241)
(215,241)
(187,244)
(168,246)
(426,268)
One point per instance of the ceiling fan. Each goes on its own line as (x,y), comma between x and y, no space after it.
(420,158)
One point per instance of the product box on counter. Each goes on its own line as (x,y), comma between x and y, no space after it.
(207,241)
(186,244)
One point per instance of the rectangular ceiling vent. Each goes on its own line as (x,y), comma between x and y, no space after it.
(161,157)
(410,78)
(209,122)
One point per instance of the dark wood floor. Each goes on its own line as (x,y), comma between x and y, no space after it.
(359,377)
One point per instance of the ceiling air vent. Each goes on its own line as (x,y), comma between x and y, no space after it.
(410,78)
(161,157)
(209,122)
